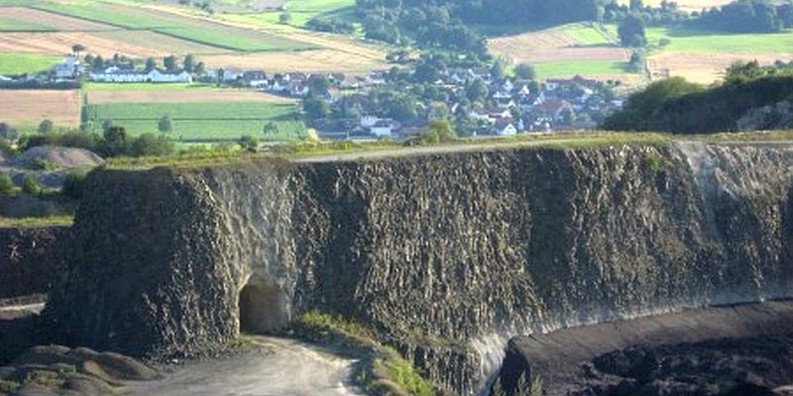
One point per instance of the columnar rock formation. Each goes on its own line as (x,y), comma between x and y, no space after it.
(444,256)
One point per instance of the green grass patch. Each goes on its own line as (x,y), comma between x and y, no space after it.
(301,12)
(694,41)
(14,63)
(37,222)
(587,34)
(213,121)
(583,68)
(14,25)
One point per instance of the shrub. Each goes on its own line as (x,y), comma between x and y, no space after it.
(31,185)
(6,184)
(73,185)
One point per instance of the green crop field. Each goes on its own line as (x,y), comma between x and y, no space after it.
(14,63)
(202,121)
(193,29)
(301,12)
(588,68)
(13,25)
(587,34)
(692,41)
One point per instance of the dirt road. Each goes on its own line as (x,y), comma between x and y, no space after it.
(281,367)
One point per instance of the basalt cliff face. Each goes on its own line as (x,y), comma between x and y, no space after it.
(444,256)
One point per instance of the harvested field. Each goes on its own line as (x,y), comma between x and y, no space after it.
(297,61)
(161,42)
(613,54)
(23,107)
(51,20)
(187,96)
(60,43)
(686,5)
(701,68)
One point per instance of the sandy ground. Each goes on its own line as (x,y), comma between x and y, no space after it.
(104,97)
(298,61)
(283,367)
(33,106)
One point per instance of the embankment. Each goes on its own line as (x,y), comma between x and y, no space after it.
(445,257)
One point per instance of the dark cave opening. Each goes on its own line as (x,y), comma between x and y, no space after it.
(262,308)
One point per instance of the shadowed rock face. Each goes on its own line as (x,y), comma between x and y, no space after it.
(30,259)
(445,256)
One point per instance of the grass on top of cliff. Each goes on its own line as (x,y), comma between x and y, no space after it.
(382,371)
(347,150)
(36,222)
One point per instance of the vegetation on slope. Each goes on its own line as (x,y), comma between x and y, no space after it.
(382,370)
(677,106)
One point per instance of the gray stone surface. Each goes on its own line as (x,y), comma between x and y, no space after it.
(444,256)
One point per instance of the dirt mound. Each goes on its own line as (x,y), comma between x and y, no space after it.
(57,157)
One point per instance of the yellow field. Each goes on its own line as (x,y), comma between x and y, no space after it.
(686,5)
(22,107)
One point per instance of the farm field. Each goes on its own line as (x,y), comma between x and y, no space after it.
(565,51)
(24,109)
(13,63)
(202,121)
(703,57)
(191,29)
(686,5)
(152,30)
(100,97)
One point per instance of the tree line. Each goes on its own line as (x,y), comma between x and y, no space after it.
(678,106)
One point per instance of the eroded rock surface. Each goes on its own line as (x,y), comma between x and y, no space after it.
(445,256)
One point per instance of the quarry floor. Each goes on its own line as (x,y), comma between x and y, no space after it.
(278,367)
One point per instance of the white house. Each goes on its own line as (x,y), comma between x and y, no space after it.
(506,129)
(69,67)
(383,128)
(114,75)
(369,121)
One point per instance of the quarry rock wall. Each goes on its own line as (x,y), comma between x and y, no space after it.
(445,256)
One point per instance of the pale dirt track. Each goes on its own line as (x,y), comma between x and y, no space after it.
(283,367)
(105,97)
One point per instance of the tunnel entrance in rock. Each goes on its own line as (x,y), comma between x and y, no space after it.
(262,308)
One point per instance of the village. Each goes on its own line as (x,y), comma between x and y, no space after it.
(396,104)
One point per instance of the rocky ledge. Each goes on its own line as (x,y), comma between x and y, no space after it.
(736,350)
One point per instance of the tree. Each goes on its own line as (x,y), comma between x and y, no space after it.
(45,126)
(199,68)
(476,90)
(115,141)
(98,63)
(151,64)
(7,132)
(73,184)
(270,128)
(149,144)
(568,116)
(77,49)
(285,18)
(497,70)
(189,63)
(318,84)
(30,185)
(170,63)
(740,71)
(165,124)
(438,132)
(315,107)
(248,143)
(525,71)
(636,5)
(6,184)
(632,32)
